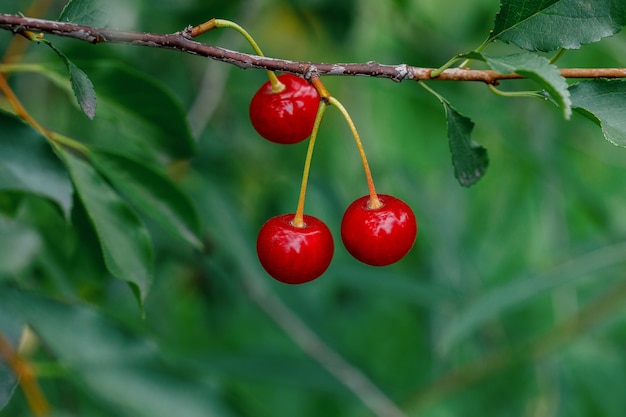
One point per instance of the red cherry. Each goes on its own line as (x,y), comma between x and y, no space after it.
(378,236)
(287,116)
(295,255)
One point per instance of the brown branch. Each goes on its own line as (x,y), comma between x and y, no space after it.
(182,41)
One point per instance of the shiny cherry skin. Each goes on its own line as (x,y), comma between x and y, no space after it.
(287,116)
(295,255)
(379,236)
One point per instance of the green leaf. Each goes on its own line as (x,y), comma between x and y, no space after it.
(81,85)
(117,366)
(152,193)
(125,242)
(142,111)
(470,160)
(259,365)
(604,102)
(516,13)
(538,69)
(547,25)
(28,164)
(85,12)
(518,291)
(20,244)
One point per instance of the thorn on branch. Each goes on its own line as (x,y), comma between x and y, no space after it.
(99,38)
(186,33)
(310,72)
(18,29)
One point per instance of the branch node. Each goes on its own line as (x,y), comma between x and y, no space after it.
(18,29)
(401,72)
(311,72)
(186,33)
(99,38)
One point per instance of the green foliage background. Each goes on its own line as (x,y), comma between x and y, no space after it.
(510,304)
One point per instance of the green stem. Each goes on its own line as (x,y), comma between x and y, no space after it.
(277,86)
(68,143)
(298,218)
(374,202)
(482,46)
(558,55)
(534,94)
(436,73)
(10,68)
(431,91)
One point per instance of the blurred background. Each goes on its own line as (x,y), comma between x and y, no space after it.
(510,303)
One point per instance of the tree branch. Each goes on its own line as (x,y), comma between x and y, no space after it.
(183,42)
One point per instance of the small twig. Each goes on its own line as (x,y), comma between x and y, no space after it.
(182,42)
(24,372)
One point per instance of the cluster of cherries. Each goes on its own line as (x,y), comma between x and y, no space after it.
(376,229)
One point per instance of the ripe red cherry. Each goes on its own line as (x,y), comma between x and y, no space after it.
(295,255)
(379,236)
(287,116)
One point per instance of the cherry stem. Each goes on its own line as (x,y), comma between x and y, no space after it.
(277,86)
(320,87)
(298,218)
(558,55)
(374,202)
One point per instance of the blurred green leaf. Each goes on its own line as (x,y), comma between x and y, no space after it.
(28,163)
(152,193)
(125,242)
(115,364)
(521,290)
(270,368)
(85,12)
(81,85)
(538,69)
(547,25)
(11,329)
(19,243)
(604,102)
(384,283)
(596,368)
(142,110)
(470,160)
